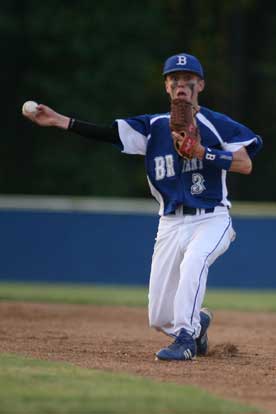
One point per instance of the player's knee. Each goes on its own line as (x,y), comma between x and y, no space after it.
(194,260)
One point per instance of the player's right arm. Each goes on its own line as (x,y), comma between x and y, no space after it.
(130,135)
(47,117)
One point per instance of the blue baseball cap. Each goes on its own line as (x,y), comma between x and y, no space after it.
(183,62)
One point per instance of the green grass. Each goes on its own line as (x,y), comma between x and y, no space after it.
(257,301)
(32,386)
(130,296)
(66,293)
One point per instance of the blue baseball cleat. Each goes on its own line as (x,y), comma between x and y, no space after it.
(206,318)
(182,349)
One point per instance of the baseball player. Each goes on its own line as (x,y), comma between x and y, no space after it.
(195,227)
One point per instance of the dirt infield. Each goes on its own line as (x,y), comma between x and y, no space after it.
(241,364)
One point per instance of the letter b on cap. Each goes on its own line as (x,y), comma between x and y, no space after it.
(182,60)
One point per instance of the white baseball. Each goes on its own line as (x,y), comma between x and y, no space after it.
(29,107)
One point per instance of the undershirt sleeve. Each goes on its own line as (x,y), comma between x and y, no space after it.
(95,132)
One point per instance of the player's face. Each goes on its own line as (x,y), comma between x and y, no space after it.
(184,84)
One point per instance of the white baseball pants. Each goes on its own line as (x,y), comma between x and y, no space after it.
(185,247)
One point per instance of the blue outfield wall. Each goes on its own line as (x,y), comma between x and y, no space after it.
(107,248)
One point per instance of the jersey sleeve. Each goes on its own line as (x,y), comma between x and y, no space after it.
(235,136)
(134,133)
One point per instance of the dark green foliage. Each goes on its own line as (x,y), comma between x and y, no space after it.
(101,60)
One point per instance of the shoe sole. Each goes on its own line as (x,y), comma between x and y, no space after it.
(173,360)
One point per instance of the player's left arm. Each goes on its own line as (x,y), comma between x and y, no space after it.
(238,161)
(239,147)
(244,151)
(241,162)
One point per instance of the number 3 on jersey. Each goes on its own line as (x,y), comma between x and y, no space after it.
(198,184)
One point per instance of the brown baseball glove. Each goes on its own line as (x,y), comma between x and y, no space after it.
(185,133)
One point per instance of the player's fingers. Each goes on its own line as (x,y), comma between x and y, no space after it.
(176,135)
(43,108)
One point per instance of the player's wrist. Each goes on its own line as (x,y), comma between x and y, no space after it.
(218,158)
(61,121)
(199,151)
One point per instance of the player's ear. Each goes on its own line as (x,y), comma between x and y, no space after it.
(166,84)
(201,85)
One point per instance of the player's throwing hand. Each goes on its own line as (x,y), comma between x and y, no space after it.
(46,116)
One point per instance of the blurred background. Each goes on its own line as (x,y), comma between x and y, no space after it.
(101,60)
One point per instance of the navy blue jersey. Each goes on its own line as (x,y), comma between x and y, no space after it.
(174,181)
